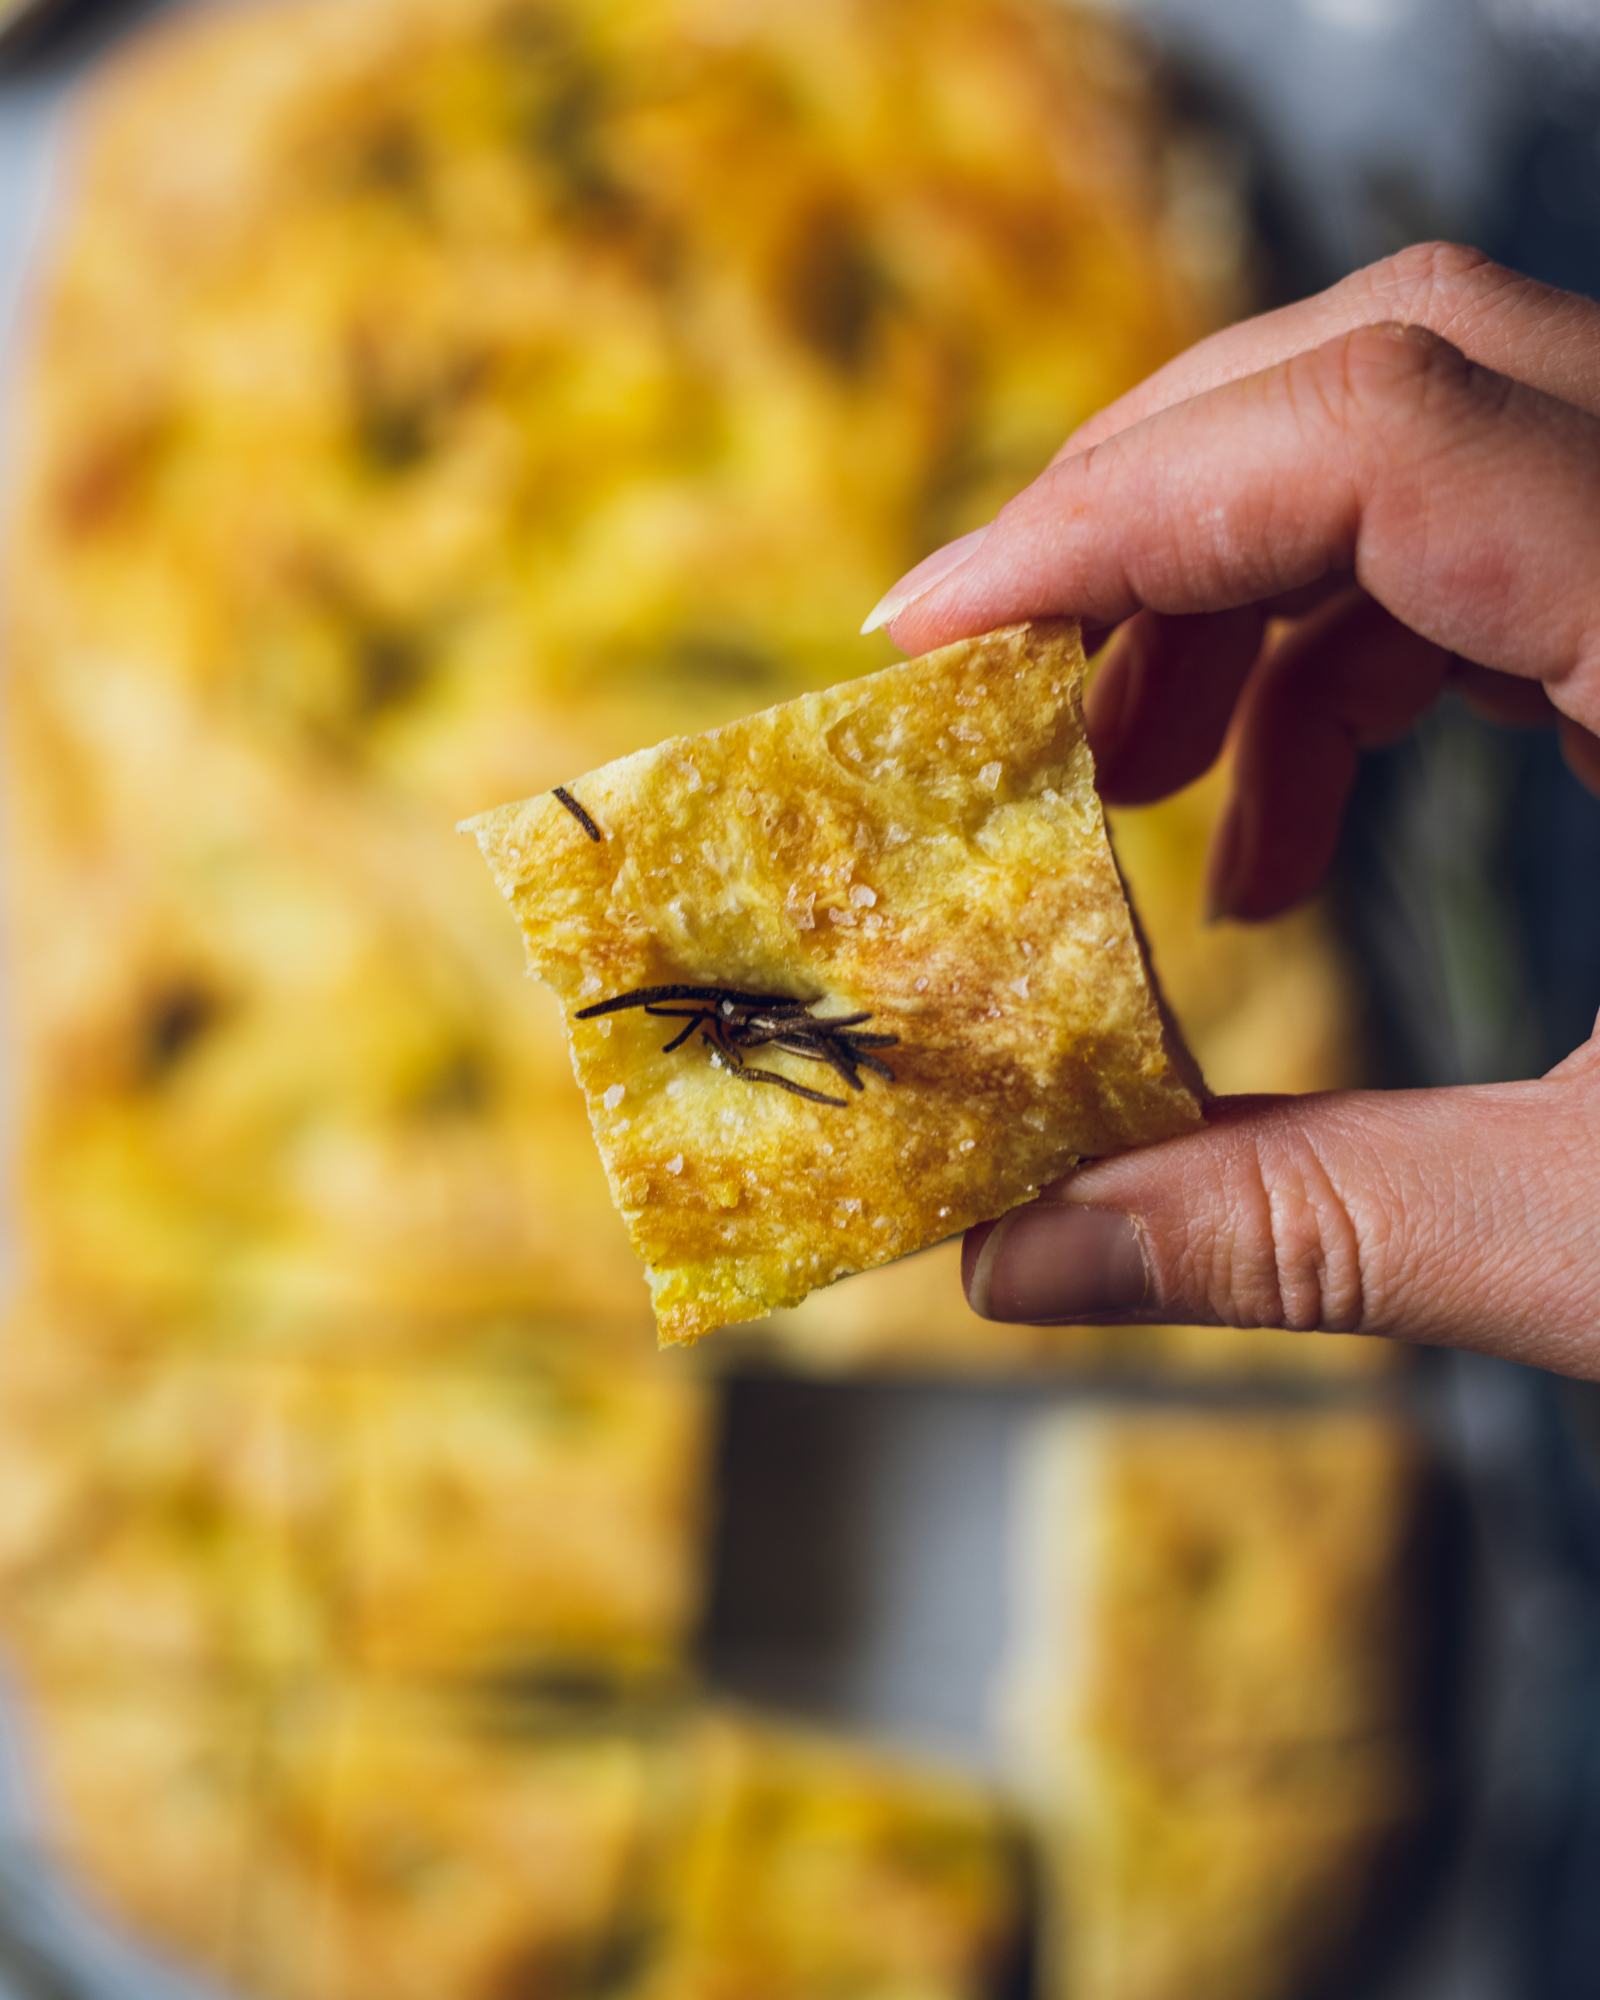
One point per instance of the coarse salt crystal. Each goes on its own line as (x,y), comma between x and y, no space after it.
(966,1146)
(591,983)
(675,1164)
(989,776)
(862,896)
(921,983)
(614,1096)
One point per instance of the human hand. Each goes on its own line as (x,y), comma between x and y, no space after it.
(1303,530)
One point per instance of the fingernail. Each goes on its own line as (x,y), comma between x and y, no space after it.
(1052,1262)
(927,576)
(1225,871)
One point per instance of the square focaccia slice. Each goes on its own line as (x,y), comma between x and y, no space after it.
(1277,1554)
(795,1837)
(423,1843)
(539,1523)
(1216,1697)
(894,908)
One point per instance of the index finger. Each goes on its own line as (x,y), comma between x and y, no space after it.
(1467,504)
(1546,338)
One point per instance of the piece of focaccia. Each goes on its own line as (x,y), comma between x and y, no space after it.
(811,1865)
(893,908)
(1217,1692)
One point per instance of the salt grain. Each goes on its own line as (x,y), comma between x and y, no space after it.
(862,896)
(675,1164)
(614,1096)
(989,776)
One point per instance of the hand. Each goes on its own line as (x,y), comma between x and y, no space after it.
(1302,531)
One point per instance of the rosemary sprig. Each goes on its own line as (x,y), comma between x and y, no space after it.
(731,1022)
(563,797)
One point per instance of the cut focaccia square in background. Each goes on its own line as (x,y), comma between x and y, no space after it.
(1217,1695)
(431,1845)
(1275,1554)
(539,1520)
(810,1864)
(147,1804)
(1227,1888)
(919,854)
(169,1518)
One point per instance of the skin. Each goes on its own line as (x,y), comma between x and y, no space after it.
(1299,533)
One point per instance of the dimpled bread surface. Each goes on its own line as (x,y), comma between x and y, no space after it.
(923,845)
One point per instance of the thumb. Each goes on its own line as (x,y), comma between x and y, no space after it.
(1467,1217)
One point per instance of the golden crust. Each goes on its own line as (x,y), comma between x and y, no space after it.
(419,1846)
(532,1521)
(1215,1701)
(186,1518)
(164,1526)
(924,845)
(152,1805)
(1268,1552)
(1215,1890)
(795,1837)
(344,1838)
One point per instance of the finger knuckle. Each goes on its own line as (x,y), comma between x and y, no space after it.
(1439,282)
(1296,1256)
(1375,385)
(1395,369)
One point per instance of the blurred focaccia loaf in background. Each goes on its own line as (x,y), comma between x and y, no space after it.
(342,1838)
(429,402)
(430,399)
(520,1509)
